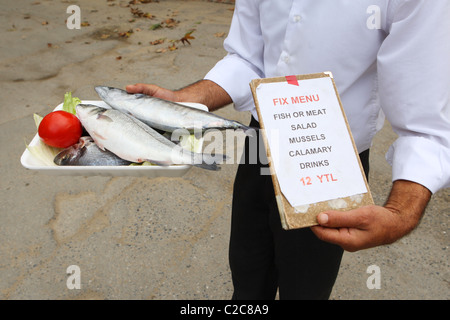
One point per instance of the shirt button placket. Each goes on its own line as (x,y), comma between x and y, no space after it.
(296,18)
(285,58)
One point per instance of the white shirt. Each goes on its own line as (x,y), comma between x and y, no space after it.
(388,57)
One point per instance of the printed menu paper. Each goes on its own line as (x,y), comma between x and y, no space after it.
(313,159)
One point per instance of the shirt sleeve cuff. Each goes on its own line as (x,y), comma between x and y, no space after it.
(234,75)
(409,156)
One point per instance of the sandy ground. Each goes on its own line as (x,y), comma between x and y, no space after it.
(139,237)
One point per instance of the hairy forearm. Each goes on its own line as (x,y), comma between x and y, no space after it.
(408,201)
(206,92)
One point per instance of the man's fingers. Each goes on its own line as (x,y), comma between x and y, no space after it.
(149,89)
(356,218)
(338,227)
(133,88)
(137,88)
(343,237)
(152,90)
(353,230)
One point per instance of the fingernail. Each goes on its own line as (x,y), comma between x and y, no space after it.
(322,218)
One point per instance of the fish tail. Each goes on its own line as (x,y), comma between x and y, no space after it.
(250,131)
(212,167)
(209,161)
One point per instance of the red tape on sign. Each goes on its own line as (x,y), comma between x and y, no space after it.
(292,80)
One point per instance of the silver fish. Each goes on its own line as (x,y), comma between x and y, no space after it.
(165,115)
(132,140)
(87,153)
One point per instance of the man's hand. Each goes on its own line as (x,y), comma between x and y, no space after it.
(371,226)
(204,91)
(360,228)
(152,90)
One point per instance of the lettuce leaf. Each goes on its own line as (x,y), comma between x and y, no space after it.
(44,153)
(191,143)
(70,103)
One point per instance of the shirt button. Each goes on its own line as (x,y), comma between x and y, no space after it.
(297,18)
(286,59)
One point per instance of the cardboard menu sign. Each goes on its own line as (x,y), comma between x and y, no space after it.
(312,156)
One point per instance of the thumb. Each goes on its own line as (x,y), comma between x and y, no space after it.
(342,219)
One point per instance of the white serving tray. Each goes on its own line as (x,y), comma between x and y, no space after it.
(32,163)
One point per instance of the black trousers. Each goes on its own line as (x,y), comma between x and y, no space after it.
(264,257)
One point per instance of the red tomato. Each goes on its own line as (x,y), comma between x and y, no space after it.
(60,129)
